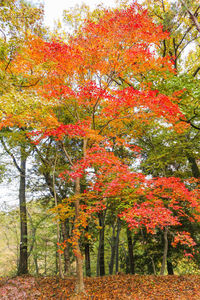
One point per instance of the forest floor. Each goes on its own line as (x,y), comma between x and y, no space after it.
(134,287)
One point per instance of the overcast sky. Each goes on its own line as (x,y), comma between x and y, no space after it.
(54,8)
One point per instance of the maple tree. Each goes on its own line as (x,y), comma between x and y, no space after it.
(93,95)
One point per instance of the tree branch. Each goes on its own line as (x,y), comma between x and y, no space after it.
(67,154)
(192,16)
(195,72)
(11,155)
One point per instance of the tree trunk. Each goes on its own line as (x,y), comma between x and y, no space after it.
(130,252)
(112,258)
(117,246)
(164,252)
(194,166)
(45,258)
(100,255)
(114,248)
(56,261)
(57,223)
(170,269)
(23,256)
(79,288)
(65,235)
(35,259)
(153,265)
(87,258)
(36,264)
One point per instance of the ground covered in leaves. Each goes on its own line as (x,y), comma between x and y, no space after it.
(109,287)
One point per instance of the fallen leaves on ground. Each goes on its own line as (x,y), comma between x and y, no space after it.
(134,287)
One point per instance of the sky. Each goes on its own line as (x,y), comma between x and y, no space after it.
(54,8)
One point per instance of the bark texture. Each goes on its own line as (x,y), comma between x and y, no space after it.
(164,252)
(23,256)
(130,252)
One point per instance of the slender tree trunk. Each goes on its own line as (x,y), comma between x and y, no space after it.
(112,258)
(36,264)
(170,269)
(57,224)
(100,255)
(17,258)
(117,246)
(87,258)
(114,248)
(65,234)
(23,247)
(130,252)
(153,265)
(56,261)
(35,259)
(194,166)
(79,288)
(51,185)
(23,256)
(164,252)
(45,258)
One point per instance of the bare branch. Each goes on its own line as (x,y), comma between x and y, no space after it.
(192,16)
(195,72)
(11,155)
(67,154)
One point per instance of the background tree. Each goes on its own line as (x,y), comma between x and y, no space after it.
(18,18)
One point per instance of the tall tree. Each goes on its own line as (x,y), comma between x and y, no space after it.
(101,93)
(18,18)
